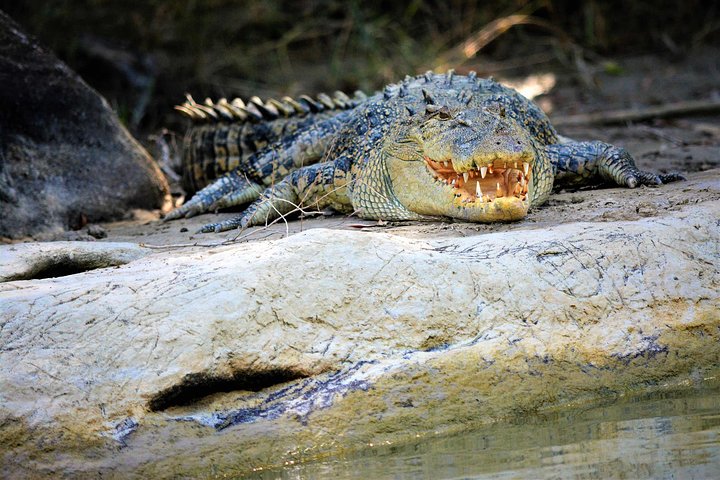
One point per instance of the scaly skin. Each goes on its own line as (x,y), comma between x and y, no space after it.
(428,148)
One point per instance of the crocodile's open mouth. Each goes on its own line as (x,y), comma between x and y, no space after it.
(481,186)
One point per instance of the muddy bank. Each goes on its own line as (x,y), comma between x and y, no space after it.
(596,205)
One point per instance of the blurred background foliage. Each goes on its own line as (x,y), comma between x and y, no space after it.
(143,55)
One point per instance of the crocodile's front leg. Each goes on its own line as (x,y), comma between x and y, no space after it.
(263,168)
(231,189)
(582,163)
(316,186)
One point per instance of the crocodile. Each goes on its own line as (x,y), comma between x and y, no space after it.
(430,147)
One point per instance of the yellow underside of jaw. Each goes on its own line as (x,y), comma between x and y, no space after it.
(503,209)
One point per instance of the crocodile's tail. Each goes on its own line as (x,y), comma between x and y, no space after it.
(225,133)
(255,110)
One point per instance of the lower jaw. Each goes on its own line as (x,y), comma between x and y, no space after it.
(503,209)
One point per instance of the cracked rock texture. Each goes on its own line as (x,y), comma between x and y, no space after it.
(225,359)
(65,159)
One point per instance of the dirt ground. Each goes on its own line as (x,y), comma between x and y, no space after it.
(689,144)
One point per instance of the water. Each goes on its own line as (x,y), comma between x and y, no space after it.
(660,436)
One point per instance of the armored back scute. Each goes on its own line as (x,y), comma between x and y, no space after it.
(225,133)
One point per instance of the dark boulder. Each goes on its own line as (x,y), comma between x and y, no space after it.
(65,159)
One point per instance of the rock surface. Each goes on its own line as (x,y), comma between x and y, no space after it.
(215,361)
(65,159)
(25,261)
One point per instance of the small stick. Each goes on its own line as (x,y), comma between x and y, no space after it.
(677,109)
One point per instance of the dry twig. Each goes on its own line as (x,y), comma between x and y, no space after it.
(669,110)
(476,42)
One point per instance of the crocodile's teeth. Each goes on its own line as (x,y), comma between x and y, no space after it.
(490,169)
(466,175)
(483,171)
(478,192)
(445,164)
(526,167)
(498,191)
(452,182)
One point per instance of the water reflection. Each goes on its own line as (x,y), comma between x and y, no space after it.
(662,436)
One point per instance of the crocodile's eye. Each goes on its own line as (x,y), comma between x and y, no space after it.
(442,113)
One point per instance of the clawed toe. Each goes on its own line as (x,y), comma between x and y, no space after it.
(230,224)
(672,177)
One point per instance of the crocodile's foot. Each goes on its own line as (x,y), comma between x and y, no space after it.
(230,190)
(230,224)
(636,178)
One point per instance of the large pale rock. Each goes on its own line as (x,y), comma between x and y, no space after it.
(25,261)
(221,360)
(65,159)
